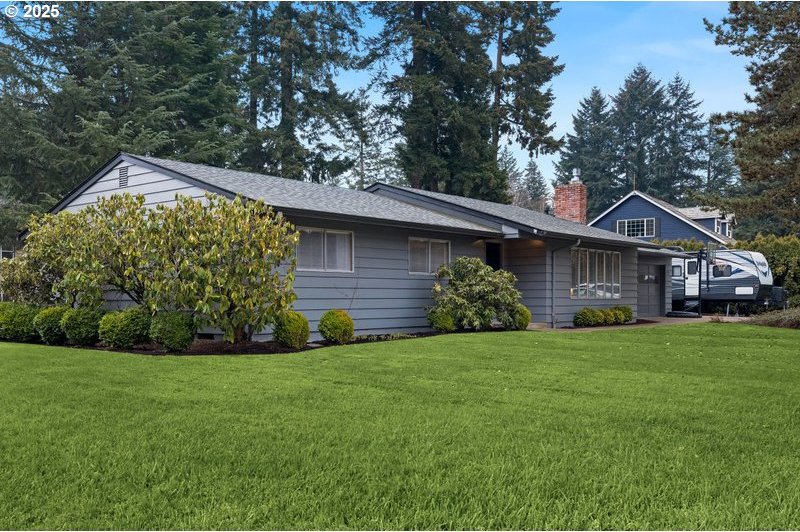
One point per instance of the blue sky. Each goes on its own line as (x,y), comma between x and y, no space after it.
(601,42)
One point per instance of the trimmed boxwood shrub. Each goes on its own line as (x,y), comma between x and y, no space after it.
(522,317)
(441,320)
(291,330)
(173,330)
(627,312)
(125,328)
(16,322)
(80,325)
(48,324)
(587,317)
(336,326)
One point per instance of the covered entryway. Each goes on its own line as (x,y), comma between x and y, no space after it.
(651,290)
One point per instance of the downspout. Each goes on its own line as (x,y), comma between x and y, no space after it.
(553,280)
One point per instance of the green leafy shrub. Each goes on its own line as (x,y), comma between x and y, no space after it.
(522,317)
(588,317)
(126,328)
(789,318)
(16,322)
(476,294)
(336,326)
(291,330)
(441,320)
(80,325)
(627,312)
(173,330)
(48,324)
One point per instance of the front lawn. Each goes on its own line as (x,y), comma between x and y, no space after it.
(682,427)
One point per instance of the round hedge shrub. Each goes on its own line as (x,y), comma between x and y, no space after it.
(48,324)
(16,322)
(587,317)
(442,320)
(627,312)
(522,317)
(336,326)
(80,325)
(607,317)
(126,328)
(173,330)
(291,330)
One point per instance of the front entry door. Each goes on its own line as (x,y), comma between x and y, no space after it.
(494,255)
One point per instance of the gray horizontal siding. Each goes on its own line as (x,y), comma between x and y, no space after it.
(528,261)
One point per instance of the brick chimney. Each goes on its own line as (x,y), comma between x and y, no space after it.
(570,199)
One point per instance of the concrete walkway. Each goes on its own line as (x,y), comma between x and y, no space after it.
(651,322)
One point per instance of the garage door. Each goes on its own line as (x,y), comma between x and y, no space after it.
(651,290)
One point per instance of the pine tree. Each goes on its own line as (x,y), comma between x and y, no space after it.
(637,119)
(767,137)
(521,104)
(507,164)
(441,98)
(720,176)
(591,149)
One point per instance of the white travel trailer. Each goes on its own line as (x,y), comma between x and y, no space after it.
(734,276)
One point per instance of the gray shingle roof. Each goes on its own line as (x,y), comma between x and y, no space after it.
(313,197)
(700,213)
(529,218)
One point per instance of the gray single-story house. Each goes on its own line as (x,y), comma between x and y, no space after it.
(374,252)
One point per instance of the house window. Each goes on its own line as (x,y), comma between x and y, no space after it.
(691,267)
(677,271)
(325,250)
(426,255)
(596,274)
(637,227)
(722,270)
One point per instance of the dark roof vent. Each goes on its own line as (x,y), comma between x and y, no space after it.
(123,177)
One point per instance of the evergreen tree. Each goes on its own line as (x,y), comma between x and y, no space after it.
(637,118)
(721,176)
(535,187)
(507,164)
(441,98)
(679,157)
(767,137)
(295,111)
(591,149)
(520,103)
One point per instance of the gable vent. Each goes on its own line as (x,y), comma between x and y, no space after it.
(123,177)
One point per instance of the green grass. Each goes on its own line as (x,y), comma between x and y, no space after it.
(672,427)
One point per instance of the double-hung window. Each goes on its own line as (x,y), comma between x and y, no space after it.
(325,250)
(426,255)
(637,227)
(596,274)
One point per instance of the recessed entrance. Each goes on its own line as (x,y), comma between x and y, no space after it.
(494,255)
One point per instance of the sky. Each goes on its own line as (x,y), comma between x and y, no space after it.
(601,42)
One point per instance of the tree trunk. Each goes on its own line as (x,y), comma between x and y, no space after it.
(291,165)
(416,177)
(499,73)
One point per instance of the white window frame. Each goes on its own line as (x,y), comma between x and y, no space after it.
(644,222)
(428,242)
(325,249)
(584,256)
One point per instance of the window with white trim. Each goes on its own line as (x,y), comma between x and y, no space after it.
(596,274)
(637,227)
(427,255)
(325,250)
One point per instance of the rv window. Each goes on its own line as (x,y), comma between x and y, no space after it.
(722,271)
(691,267)
(677,271)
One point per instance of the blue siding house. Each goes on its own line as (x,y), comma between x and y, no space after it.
(642,216)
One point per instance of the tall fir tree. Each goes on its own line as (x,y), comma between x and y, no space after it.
(591,149)
(720,174)
(441,97)
(535,187)
(295,110)
(637,119)
(522,99)
(680,145)
(507,164)
(766,137)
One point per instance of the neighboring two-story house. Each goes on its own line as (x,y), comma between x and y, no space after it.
(642,216)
